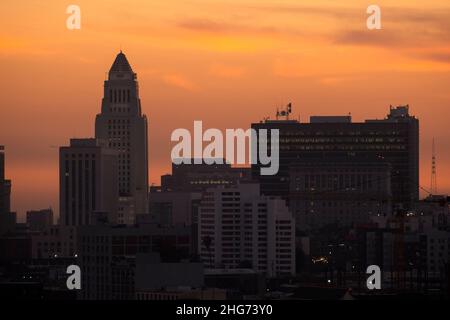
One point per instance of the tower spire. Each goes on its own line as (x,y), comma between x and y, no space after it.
(121,64)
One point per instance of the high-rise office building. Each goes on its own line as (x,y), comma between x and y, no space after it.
(87,182)
(180,192)
(393,140)
(199,177)
(240,228)
(339,193)
(122,123)
(54,242)
(7,218)
(107,256)
(5,185)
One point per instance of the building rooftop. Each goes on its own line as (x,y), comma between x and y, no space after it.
(85,142)
(396,114)
(330,119)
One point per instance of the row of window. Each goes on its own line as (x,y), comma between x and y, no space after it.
(119,95)
(119,121)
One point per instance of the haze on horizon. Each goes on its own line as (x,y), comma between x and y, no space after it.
(227,63)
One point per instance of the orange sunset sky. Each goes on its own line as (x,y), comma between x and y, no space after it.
(226,62)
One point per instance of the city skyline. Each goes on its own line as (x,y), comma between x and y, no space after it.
(214,64)
(239,152)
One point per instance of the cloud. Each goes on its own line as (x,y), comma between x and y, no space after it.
(345,13)
(437,17)
(443,56)
(180,81)
(210,26)
(335,80)
(203,25)
(289,69)
(418,34)
(369,38)
(226,71)
(401,27)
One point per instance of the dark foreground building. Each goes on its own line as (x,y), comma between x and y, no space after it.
(5,185)
(392,141)
(7,218)
(107,256)
(122,123)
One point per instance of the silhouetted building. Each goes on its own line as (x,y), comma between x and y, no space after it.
(240,228)
(157,280)
(410,249)
(37,279)
(107,256)
(153,277)
(15,248)
(87,181)
(7,218)
(438,251)
(199,177)
(174,207)
(393,140)
(8,223)
(39,220)
(177,200)
(123,125)
(239,282)
(340,192)
(182,293)
(438,207)
(5,185)
(55,242)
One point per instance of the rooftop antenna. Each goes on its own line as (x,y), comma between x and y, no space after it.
(433,184)
(286,112)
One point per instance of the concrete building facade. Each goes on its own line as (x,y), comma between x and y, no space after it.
(88,182)
(393,140)
(239,228)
